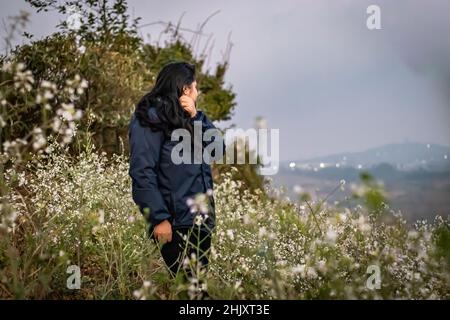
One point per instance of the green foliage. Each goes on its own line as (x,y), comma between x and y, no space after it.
(119,67)
(443,242)
(100,20)
(247,173)
(372,193)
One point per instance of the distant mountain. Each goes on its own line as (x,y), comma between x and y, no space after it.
(419,194)
(402,156)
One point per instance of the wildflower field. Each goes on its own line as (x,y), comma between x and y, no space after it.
(67,211)
(78,211)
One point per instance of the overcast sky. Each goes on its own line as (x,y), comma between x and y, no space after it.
(315,71)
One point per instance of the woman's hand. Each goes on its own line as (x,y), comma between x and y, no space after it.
(163,232)
(188,104)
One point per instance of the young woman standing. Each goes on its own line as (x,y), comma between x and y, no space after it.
(161,188)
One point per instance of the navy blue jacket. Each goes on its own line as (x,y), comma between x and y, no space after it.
(162,186)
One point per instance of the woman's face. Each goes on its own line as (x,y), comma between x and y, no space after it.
(191,91)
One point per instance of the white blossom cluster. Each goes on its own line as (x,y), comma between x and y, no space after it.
(81,209)
(57,106)
(279,249)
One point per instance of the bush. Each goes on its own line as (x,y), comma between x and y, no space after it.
(119,66)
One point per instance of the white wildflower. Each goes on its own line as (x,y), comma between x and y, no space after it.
(299,268)
(298,189)
(262,232)
(331,235)
(101,217)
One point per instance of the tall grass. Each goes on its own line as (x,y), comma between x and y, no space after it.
(79,211)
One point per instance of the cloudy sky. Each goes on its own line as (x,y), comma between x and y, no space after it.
(314,69)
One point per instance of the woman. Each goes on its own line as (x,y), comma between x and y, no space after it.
(161,188)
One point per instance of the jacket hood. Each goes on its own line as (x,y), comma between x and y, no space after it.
(153,115)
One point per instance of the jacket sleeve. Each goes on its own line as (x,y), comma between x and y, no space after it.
(207,124)
(145,148)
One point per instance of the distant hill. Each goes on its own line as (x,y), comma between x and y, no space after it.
(416,176)
(417,193)
(402,156)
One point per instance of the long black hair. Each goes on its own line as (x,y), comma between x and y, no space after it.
(164,96)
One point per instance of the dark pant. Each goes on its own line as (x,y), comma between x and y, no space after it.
(177,250)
